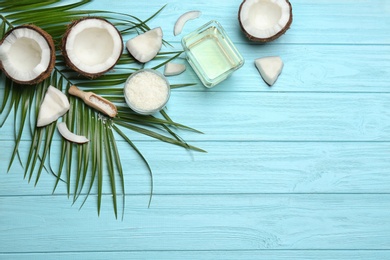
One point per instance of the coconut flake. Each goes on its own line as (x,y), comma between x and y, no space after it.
(269,68)
(172,69)
(145,47)
(146,91)
(68,135)
(181,21)
(55,104)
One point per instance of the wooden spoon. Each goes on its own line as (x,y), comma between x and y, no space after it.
(95,101)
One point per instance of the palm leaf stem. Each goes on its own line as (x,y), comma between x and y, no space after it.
(119,168)
(127,139)
(110,160)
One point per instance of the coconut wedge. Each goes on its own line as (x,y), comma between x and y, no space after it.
(27,54)
(265,20)
(146,46)
(55,104)
(183,19)
(68,135)
(173,69)
(269,68)
(92,46)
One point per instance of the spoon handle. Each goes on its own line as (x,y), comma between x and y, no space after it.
(73,90)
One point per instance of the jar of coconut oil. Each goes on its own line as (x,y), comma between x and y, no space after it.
(211,53)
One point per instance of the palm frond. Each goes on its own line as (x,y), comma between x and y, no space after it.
(97,162)
(124,136)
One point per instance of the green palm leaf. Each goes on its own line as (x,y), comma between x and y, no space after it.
(92,164)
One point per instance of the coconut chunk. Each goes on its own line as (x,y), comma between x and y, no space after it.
(27,54)
(173,69)
(55,104)
(269,68)
(265,20)
(181,21)
(92,46)
(68,135)
(146,46)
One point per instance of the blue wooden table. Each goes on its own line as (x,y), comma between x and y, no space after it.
(299,170)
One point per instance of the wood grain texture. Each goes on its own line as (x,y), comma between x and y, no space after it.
(204,222)
(211,255)
(299,170)
(243,168)
(243,116)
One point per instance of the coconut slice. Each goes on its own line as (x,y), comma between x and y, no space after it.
(68,135)
(265,20)
(181,21)
(92,46)
(173,69)
(145,47)
(269,68)
(27,54)
(55,104)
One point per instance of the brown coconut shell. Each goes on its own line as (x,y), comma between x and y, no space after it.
(269,39)
(44,75)
(65,54)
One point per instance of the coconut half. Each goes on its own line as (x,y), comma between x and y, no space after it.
(265,20)
(27,54)
(92,46)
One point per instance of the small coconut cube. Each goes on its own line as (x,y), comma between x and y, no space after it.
(269,68)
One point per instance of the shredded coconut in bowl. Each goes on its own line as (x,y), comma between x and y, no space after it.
(147,91)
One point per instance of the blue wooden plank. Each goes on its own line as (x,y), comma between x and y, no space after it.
(234,168)
(322,21)
(308,68)
(275,116)
(204,222)
(211,255)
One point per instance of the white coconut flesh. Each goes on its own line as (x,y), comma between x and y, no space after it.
(25,54)
(68,135)
(54,105)
(183,19)
(269,68)
(173,69)
(264,19)
(93,46)
(146,46)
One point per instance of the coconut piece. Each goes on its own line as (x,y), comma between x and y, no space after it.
(269,68)
(145,47)
(27,54)
(68,135)
(55,104)
(181,21)
(265,20)
(173,69)
(91,46)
